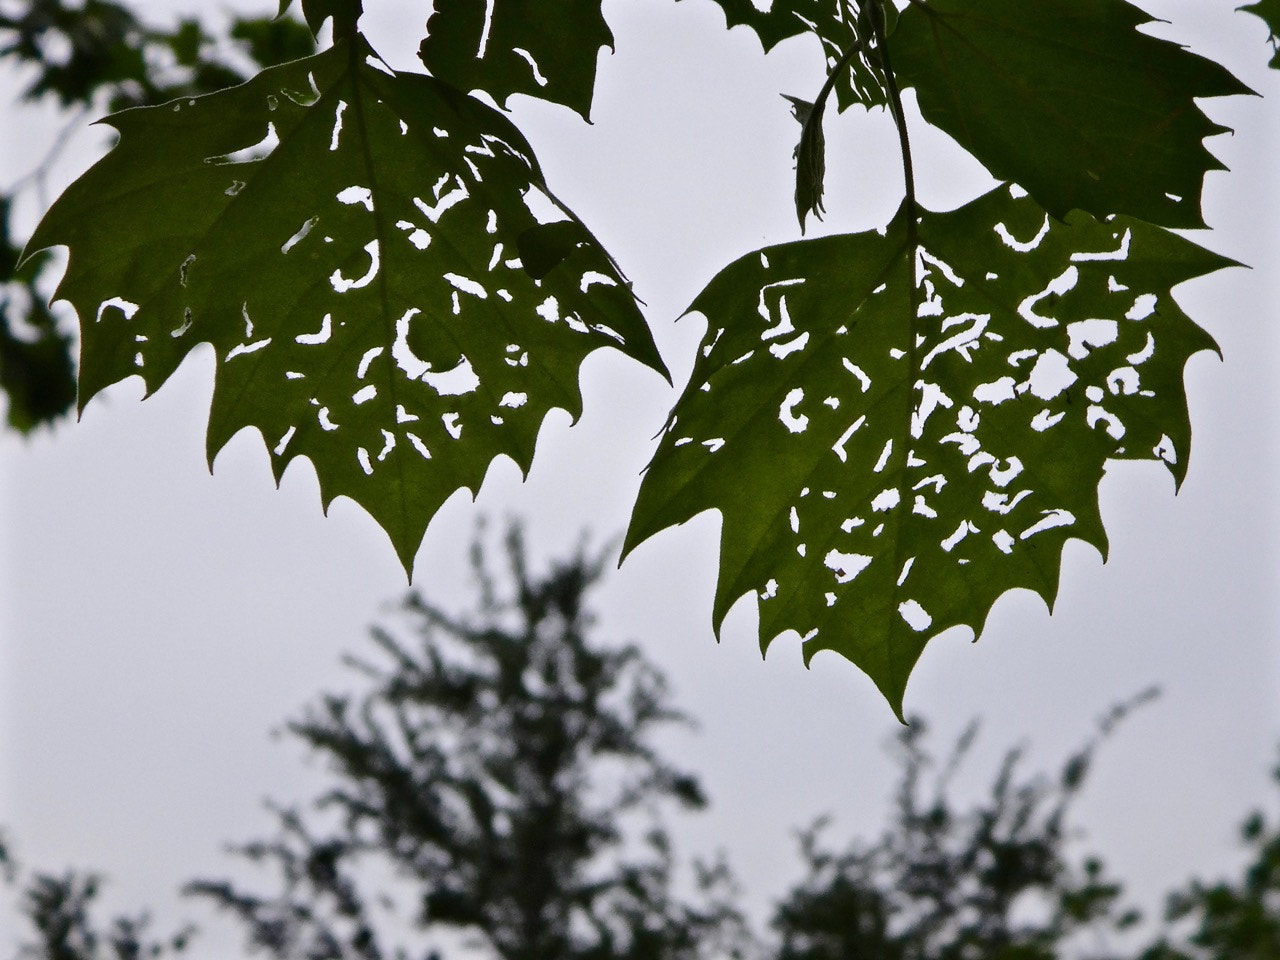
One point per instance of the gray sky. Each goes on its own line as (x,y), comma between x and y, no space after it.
(159,622)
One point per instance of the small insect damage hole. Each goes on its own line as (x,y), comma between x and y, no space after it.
(1049,520)
(787,414)
(244,348)
(279,448)
(466,285)
(299,235)
(252,153)
(455,382)
(1120,253)
(356,194)
(443,201)
(914,615)
(320,336)
(846,566)
(595,278)
(304,98)
(126,308)
(416,235)
(1085,336)
(527,57)
(542,207)
(183,327)
(783,350)
(337,125)
(1051,375)
(1021,246)
(341,284)
(418,445)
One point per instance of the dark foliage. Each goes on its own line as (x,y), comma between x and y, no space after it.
(59,910)
(497,781)
(1231,919)
(995,881)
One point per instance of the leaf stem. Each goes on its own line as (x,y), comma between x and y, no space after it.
(899,118)
(820,101)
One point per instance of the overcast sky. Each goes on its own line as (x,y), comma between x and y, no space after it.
(158,622)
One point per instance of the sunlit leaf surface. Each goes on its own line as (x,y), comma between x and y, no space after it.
(896,434)
(350,242)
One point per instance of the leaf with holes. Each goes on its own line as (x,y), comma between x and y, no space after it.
(896,435)
(1070,100)
(837,28)
(348,239)
(518,46)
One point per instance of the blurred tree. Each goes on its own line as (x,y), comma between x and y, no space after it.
(60,912)
(497,779)
(992,882)
(503,766)
(1231,919)
(93,57)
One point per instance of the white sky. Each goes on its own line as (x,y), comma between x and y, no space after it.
(159,622)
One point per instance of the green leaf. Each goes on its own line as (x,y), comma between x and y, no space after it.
(1269,11)
(345,14)
(837,29)
(347,239)
(502,47)
(894,437)
(1069,100)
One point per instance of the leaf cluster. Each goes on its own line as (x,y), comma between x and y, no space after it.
(899,426)
(896,426)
